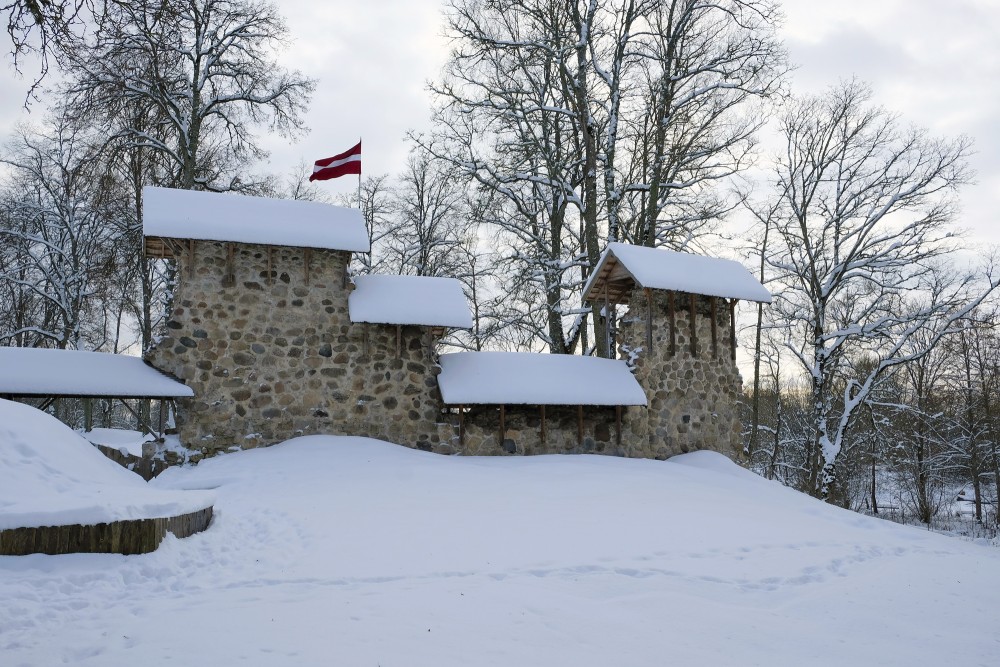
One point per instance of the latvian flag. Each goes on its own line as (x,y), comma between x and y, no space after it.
(348,162)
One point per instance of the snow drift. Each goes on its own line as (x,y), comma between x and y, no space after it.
(51,476)
(348,551)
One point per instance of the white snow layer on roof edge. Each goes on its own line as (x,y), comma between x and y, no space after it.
(51,476)
(421,300)
(658,268)
(524,378)
(213,216)
(46,372)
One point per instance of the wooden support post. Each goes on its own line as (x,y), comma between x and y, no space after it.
(692,316)
(503,426)
(672,314)
(649,319)
(618,425)
(732,327)
(607,320)
(579,425)
(88,414)
(543,423)
(270,277)
(399,340)
(190,258)
(461,425)
(715,327)
(306,256)
(163,410)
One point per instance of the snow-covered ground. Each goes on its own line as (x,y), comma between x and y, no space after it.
(348,551)
(125,441)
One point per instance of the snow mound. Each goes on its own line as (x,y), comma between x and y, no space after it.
(51,476)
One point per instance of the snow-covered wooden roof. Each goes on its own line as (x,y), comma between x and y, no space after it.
(422,300)
(29,371)
(622,267)
(212,216)
(522,378)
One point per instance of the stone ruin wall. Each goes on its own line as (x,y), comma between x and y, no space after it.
(270,359)
(693,398)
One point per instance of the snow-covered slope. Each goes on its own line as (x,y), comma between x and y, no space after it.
(347,551)
(51,476)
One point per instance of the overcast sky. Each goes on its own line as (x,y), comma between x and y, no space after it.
(936,63)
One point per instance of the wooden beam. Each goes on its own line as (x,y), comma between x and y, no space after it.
(715,327)
(88,414)
(543,423)
(461,425)
(649,319)
(503,426)
(137,416)
(692,316)
(163,409)
(618,425)
(579,425)
(672,314)
(607,321)
(732,327)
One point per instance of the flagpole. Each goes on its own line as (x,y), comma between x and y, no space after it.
(359,183)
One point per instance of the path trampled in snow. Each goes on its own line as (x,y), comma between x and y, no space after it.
(346,551)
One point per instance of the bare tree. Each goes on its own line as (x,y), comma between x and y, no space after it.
(504,120)
(203,75)
(42,27)
(864,213)
(603,120)
(430,221)
(62,249)
(704,65)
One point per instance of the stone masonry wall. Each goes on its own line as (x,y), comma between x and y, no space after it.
(272,359)
(693,398)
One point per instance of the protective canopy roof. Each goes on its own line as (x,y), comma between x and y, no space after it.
(213,216)
(422,300)
(623,267)
(30,371)
(524,378)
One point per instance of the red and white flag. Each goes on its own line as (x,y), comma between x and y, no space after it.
(348,162)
